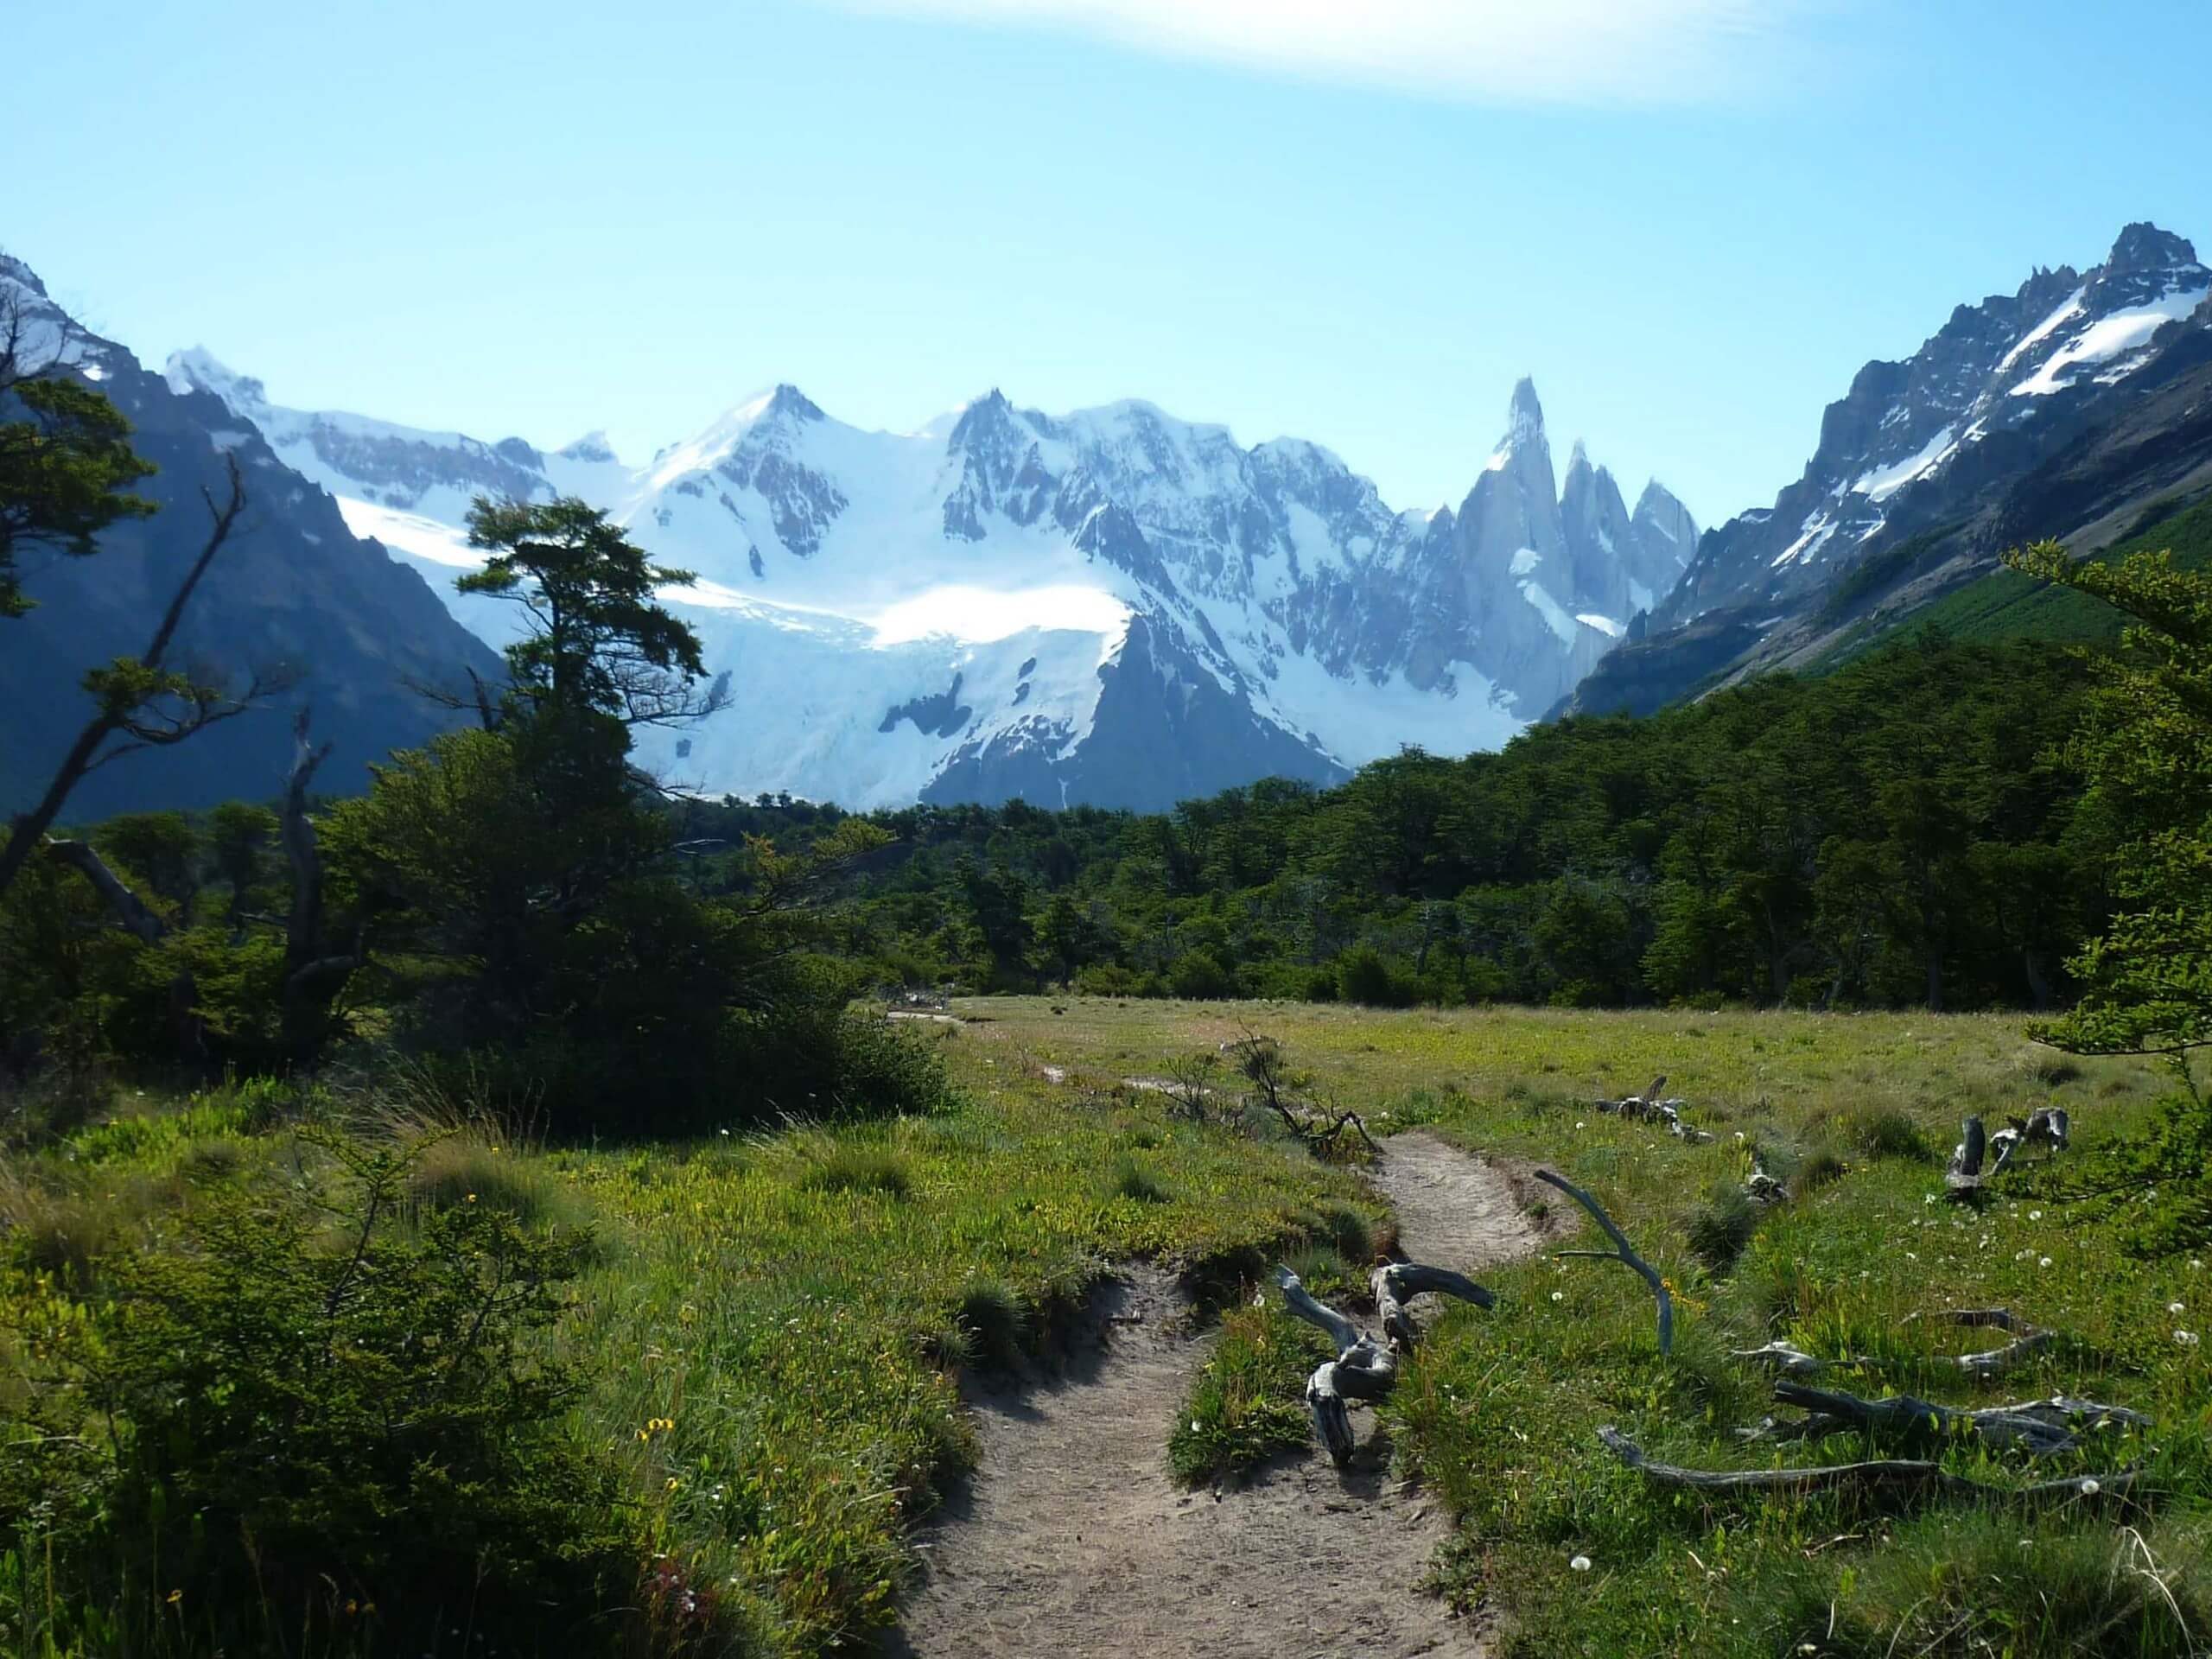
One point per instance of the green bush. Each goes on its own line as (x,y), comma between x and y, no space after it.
(317,1439)
(1199,977)
(1130,1178)
(1362,976)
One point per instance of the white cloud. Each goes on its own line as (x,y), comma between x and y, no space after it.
(1583,52)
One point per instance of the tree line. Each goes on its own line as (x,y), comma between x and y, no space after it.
(1907,830)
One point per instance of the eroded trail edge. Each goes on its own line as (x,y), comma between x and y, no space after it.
(1073,1539)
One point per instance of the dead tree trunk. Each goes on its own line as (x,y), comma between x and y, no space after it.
(1891,1475)
(315,973)
(1366,1368)
(119,713)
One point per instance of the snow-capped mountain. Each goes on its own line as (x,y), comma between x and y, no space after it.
(2016,363)
(294,598)
(1993,432)
(1113,606)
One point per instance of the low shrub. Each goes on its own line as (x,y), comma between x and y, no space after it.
(303,1439)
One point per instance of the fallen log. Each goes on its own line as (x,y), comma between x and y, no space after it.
(1905,1476)
(1649,1108)
(1621,1252)
(1365,1369)
(2039,1428)
(2029,1340)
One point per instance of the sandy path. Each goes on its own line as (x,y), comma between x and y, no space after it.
(1073,1540)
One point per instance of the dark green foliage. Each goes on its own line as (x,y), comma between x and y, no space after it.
(328,1427)
(66,469)
(1362,976)
(994,1322)
(1897,832)
(2146,977)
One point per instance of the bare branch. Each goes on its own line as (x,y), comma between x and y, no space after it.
(1622,1252)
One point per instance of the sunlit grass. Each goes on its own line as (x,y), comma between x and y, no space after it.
(1499,1413)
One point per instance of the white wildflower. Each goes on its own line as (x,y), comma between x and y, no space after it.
(2090,1489)
(2045,1263)
(2176,1307)
(2034,1215)
(2187,1338)
(1560,1296)
(1580,1563)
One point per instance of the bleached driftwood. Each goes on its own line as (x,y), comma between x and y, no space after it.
(2047,1127)
(1782,1357)
(1622,1252)
(1650,1107)
(1897,1475)
(2038,1427)
(1366,1368)
(2028,1340)
(1964,1174)
(1763,1188)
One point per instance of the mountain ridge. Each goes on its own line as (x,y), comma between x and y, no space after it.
(1294,622)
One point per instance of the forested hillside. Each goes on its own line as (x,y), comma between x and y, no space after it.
(1901,831)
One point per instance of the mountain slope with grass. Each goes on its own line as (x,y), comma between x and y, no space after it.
(2078,409)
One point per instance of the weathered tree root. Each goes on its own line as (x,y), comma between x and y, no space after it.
(2048,1127)
(2032,1339)
(1899,1476)
(1622,1252)
(1649,1108)
(2028,1339)
(2036,1426)
(1363,1368)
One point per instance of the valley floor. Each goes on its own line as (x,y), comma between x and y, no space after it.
(828,1354)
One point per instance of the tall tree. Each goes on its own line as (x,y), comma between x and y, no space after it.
(2147,753)
(598,645)
(66,462)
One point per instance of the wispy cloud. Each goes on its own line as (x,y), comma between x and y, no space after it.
(1578,52)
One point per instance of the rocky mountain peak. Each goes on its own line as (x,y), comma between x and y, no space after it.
(788,402)
(15,270)
(1525,418)
(2144,246)
(592,448)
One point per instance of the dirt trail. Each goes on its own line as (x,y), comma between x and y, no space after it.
(1073,1539)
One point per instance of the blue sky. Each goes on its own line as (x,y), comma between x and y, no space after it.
(1690,219)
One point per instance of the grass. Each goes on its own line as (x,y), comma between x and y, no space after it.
(2006,605)
(772,1327)
(1498,1413)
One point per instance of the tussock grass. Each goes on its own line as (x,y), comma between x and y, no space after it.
(849,1168)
